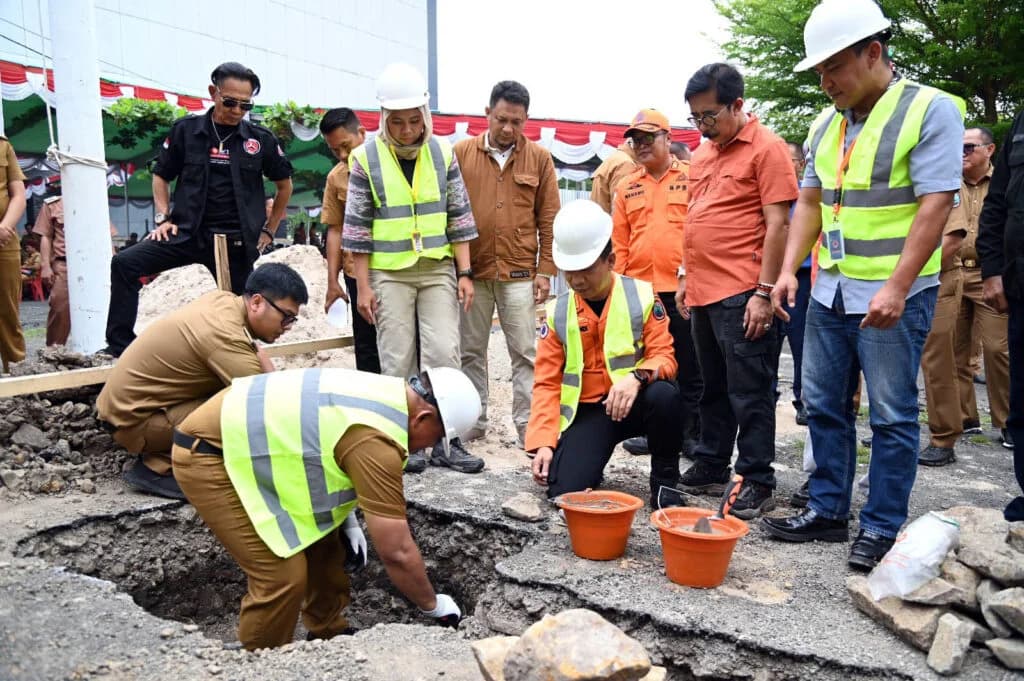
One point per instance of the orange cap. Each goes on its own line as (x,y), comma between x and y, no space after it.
(649,120)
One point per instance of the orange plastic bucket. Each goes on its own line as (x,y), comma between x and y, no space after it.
(694,558)
(599,522)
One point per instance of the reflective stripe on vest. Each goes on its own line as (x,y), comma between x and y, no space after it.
(279,431)
(409,222)
(878,201)
(629,307)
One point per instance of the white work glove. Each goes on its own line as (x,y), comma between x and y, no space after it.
(446,611)
(356,560)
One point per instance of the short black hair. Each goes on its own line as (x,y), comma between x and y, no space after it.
(799,149)
(338,118)
(724,79)
(606,252)
(986,133)
(232,69)
(882,37)
(277,281)
(512,92)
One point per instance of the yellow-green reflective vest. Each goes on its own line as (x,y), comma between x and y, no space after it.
(878,202)
(409,222)
(629,308)
(279,431)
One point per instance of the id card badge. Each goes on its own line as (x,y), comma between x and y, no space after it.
(836,247)
(417,242)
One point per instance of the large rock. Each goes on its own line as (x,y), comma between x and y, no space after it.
(986,592)
(656,674)
(1015,536)
(913,623)
(950,645)
(576,645)
(1009,605)
(1009,651)
(523,506)
(490,654)
(28,435)
(979,632)
(937,592)
(984,547)
(963,577)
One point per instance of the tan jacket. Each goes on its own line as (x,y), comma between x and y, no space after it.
(612,170)
(514,209)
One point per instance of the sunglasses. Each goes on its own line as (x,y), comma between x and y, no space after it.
(644,139)
(969,149)
(706,119)
(287,318)
(231,102)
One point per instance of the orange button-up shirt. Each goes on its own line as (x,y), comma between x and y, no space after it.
(648,219)
(659,357)
(725,226)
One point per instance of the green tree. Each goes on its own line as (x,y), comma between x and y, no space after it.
(965,47)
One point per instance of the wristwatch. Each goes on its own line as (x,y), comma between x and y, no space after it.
(642,376)
(465,273)
(160,219)
(680,272)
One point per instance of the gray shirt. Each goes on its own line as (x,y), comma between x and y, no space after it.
(935,166)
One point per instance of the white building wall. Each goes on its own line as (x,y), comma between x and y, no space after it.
(319,52)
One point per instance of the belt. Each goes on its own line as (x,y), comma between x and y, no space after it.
(196,444)
(60,257)
(970,262)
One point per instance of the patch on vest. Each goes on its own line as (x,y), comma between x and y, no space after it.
(659,310)
(251,146)
(519,274)
(544,330)
(956,200)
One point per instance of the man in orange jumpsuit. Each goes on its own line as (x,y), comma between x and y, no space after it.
(605,365)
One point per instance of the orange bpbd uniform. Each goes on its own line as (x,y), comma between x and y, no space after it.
(648,220)
(659,358)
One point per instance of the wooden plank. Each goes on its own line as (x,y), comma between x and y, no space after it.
(77,378)
(220,254)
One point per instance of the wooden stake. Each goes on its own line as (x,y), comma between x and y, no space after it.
(220,254)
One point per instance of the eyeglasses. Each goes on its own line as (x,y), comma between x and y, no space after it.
(287,318)
(231,102)
(417,386)
(645,139)
(969,149)
(706,119)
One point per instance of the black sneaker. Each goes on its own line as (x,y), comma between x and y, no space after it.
(456,458)
(636,446)
(801,413)
(936,456)
(972,427)
(417,462)
(800,497)
(705,478)
(807,526)
(868,549)
(145,480)
(111,351)
(1006,438)
(753,500)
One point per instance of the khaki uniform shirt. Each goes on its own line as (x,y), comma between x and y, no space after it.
(10,171)
(514,208)
(333,211)
(609,174)
(371,459)
(972,198)
(50,223)
(190,354)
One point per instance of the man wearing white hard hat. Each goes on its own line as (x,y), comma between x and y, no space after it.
(408,225)
(275,465)
(605,365)
(883,169)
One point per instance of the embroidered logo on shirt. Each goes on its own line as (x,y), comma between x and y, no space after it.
(519,274)
(659,310)
(956,200)
(252,146)
(544,330)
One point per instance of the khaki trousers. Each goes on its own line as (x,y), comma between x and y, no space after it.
(424,296)
(990,328)
(152,437)
(58,321)
(518,316)
(938,363)
(312,581)
(12,341)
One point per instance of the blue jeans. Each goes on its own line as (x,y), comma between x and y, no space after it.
(835,350)
(794,331)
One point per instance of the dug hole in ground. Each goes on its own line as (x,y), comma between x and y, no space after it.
(97,581)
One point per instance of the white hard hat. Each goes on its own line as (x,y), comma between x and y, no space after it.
(401,86)
(835,25)
(458,402)
(582,230)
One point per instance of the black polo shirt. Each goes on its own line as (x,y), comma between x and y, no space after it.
(187,154)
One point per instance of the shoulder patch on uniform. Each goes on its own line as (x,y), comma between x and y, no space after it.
(659,310)
(252,146)
(956,200)
(167,142)
(544,330)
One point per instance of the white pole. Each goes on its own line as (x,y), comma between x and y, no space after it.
(84,187)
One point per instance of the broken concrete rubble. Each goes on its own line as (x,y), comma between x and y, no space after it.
(523,506)
(1008,604)
(962,577)
(950,645)
(1009,651)
(913,623)
(987,590)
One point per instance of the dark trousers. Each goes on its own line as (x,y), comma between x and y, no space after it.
(364,334)
(586,445)
(738,396)
(153,257)
(794,331)
(1015,422)
(688,378)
